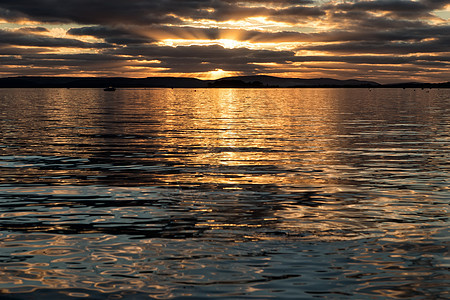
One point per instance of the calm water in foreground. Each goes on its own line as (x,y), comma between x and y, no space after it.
(224,193)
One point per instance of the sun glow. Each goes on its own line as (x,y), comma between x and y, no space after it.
(226,43)
(218,73)
(250,23)
(229,44)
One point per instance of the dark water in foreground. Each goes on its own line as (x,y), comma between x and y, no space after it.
(224,193)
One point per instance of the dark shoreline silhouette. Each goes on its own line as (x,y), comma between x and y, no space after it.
(259,81)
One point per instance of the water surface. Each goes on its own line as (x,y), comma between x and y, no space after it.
(224,193)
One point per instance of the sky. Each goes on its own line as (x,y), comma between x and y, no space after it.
(382,40)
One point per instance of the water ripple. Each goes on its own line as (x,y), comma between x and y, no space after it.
(224,193)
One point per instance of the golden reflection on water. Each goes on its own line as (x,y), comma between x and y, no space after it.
(234,128)
(205,172)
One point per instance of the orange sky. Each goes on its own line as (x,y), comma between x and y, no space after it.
(381,40)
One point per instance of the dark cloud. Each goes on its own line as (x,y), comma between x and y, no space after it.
(112,35)
(33,30)
(364,21)
(382,36)
(395,8)
(144,12)
(425,60)
(297,14)
(148,34)
(150,12)
(15,51)
(91,11)
(394,48)
(33,40)
(9,15)
(205,58)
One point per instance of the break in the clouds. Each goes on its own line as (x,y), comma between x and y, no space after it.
(384,40)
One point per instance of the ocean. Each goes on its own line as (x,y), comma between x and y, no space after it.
(224,193)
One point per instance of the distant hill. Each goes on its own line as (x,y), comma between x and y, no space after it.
(100,82)
(259,81)
(271,81)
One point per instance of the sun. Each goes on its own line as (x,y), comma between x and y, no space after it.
(230,44)
(218,73)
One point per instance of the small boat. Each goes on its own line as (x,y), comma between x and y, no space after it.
(109,89)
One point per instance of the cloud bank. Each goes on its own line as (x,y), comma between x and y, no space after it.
(384,40)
